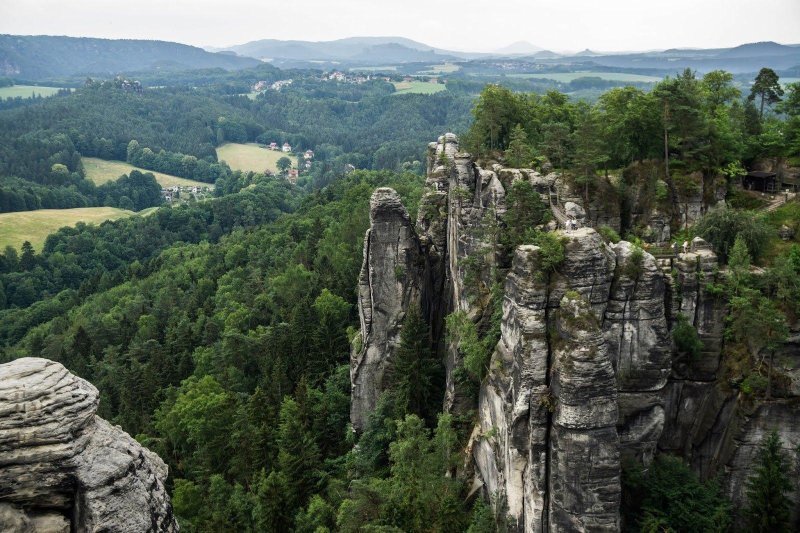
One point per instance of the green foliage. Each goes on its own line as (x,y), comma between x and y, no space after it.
(722,226)
(767,88)
(551,251)
(669,497)
(464,334)
(417,496)
(634,265)
(686,338)
(525,211)
(609,235)
(416,376)
(283,164)
(768,507)
(519,153)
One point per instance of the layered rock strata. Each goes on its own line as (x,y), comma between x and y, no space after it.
(62,468)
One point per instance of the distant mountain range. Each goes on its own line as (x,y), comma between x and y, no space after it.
(394,50)
(376,50)
(41,57)
(47,57)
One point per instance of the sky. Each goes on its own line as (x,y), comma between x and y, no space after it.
(467,25)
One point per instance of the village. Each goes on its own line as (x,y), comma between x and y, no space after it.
(177,195)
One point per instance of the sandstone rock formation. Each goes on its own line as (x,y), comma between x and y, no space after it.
(388,285)
(62,468)
(585,375)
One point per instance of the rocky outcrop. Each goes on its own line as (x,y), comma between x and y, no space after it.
(389,283)
(550,406)
(62,468)
(635,328)
(585,375)
(584,471)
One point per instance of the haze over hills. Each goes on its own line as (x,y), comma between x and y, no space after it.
(43,56)
(39,58)
(519,47)
(392,50)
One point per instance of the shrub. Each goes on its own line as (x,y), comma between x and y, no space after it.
(721,226)
(686,338)
(608,234)
(551,248)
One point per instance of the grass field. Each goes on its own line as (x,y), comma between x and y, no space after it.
(251,156)
(101,171)
(418,87)
(26,91)
(35,226)
(374,69)
(443,68)
(566,77)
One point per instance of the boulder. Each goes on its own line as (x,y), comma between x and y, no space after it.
(60,463)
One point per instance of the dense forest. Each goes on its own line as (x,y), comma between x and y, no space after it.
(219,333)
(176,131)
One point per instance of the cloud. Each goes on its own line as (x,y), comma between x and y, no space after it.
(468,25)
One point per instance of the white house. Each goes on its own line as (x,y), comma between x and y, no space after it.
(286,148)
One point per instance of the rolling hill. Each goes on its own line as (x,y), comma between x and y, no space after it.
(41,57)
(351,49)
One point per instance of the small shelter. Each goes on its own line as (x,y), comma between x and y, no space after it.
(758,180)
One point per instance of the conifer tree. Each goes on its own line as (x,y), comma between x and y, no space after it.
(519,153)
(415,371)
(768,508)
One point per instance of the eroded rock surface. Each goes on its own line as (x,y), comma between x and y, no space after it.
(62,468)
(389,283)
(585,374)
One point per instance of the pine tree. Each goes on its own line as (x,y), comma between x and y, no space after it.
(415,372)
(768,509)
(519,153)
(767,87)
(28,259)
(298,454)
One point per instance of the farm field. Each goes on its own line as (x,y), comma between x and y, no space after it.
(418,87)
(26,91)
(566,77)
(35,226)
(101,171)
(374,69)
(251,156)
(443,68)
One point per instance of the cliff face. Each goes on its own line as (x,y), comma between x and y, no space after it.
(387,286)
(64,469)
(584,375)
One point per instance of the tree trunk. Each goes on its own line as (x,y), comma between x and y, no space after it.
(761,110)
(673,192)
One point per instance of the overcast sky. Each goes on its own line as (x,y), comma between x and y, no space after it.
(471,25)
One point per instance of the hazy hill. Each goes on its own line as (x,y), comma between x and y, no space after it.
(43,56)
(352,49)
(739,59)
(519,48)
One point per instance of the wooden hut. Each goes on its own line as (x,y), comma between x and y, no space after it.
(758,180)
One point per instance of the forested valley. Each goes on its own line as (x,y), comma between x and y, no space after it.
(219,333)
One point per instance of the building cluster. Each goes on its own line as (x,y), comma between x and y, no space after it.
(275,86)
(176,193)
(286,148)
(345,77)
